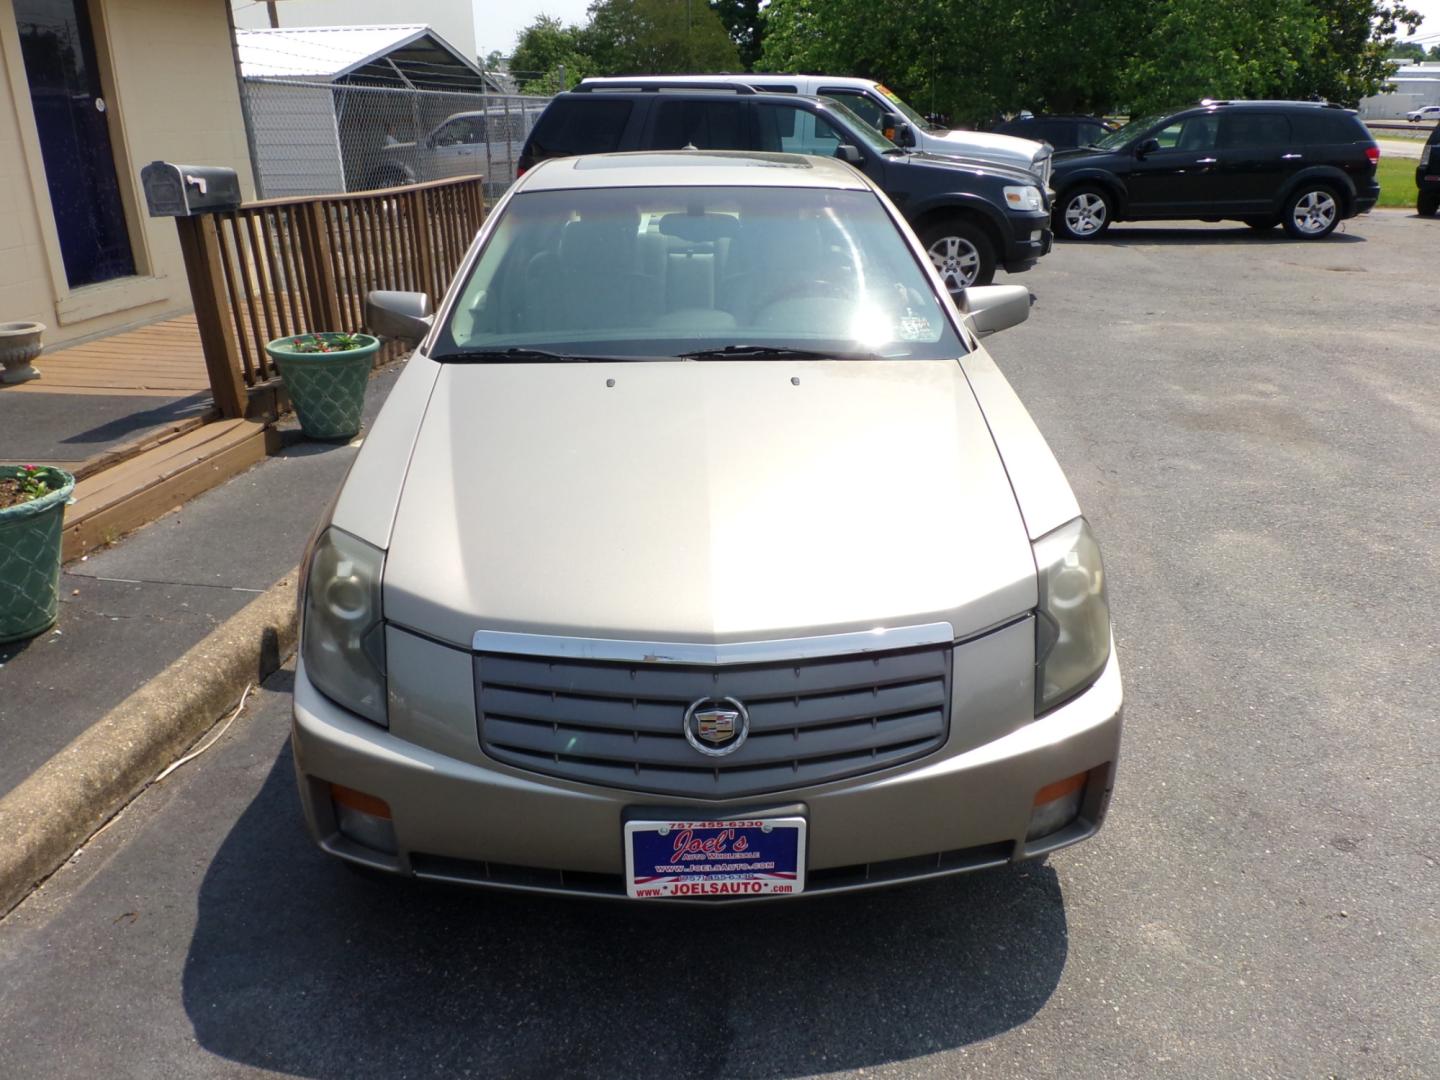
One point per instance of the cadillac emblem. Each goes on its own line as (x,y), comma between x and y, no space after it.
(716,726)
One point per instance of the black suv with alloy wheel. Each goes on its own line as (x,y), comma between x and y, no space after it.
(1304,165)
(972,216)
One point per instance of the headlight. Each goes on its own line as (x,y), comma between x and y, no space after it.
(343,637)
(1072,627)
(1024,198)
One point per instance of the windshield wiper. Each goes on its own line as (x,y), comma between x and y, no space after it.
(519,353)
(770,352)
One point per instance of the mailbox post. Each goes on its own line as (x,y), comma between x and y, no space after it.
(194,195)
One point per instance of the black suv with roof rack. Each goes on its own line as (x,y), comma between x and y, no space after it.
(971,216)
(1304,165)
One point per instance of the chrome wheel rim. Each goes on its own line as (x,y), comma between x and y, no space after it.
(1315,212)
(956,260)
(1085,214)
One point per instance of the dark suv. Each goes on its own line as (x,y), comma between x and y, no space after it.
(1427,177)
(1304,165)
(971,216)
(1060,131)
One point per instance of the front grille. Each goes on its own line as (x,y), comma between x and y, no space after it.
(621,724)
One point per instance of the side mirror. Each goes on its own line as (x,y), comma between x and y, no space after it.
(992,308)
(405,316)
(897,130)
(1146,146)
(846,152)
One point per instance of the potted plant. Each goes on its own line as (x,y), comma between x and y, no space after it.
(32,512)
(325,375)
(19,344)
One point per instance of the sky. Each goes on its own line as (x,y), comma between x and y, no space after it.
(498,22)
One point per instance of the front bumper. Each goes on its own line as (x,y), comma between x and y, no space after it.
(480,822)
(1030,237)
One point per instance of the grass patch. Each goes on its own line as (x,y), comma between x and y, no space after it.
(1397,181)
(1419,133)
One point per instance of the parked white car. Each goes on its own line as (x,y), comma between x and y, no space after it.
(1425,112)
(884,110)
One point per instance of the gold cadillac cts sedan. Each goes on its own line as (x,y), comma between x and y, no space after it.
(702,553)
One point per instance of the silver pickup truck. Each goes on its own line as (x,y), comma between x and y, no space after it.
(485,143)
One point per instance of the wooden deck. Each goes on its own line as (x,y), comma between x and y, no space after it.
(162,359)
(134,492)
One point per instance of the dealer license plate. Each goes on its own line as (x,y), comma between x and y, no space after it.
(748,857)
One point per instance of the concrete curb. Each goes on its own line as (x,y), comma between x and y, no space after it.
(55,810)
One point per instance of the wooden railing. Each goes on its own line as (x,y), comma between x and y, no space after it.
(291,266)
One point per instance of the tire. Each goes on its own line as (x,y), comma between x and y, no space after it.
(1426,203)
(387,178)
(1311,212)
(962,252)
(1083,213)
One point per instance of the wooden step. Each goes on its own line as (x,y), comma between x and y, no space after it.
(140,489)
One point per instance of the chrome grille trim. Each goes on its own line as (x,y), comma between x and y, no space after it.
(745,652)
(620,723)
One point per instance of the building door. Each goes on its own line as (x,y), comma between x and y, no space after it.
(70,113)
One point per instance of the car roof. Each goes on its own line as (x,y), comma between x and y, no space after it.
(726,76)
(692,168)
(1260,103)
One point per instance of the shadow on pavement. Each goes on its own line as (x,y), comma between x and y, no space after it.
(300,967)
(130,423)
(1125,235)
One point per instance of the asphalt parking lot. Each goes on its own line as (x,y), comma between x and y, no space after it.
(1253,427)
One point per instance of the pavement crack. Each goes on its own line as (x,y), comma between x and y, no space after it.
(152,581)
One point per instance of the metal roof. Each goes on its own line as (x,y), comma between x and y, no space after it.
(402,54)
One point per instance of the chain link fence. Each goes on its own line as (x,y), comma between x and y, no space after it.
(312,138)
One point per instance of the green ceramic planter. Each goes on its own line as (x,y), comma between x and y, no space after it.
(327,389)
(30,559)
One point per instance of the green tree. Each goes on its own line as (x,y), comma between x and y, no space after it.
(546,49)
(1347,60)
(1406,50)
(973,58)
(746,24)
(657,37)
(1221,49)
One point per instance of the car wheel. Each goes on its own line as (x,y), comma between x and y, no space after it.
(387,178)
(1427,203)
(1084,213)
(962,253)
(1311,212)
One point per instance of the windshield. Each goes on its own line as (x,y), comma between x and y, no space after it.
(864,130)
(910,114)
(658,272)
(1121,136)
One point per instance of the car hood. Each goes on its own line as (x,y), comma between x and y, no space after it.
(987,144)
(1017,174)
(1079,155)
(706,502)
